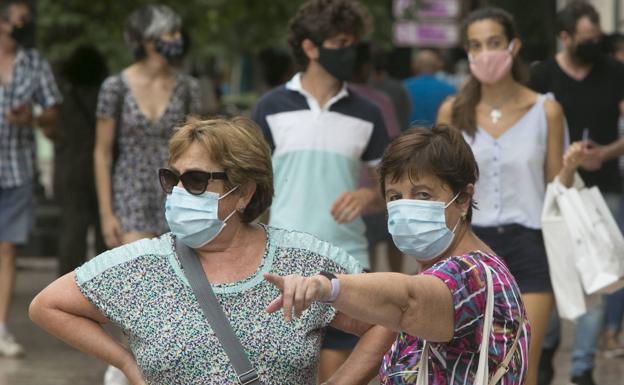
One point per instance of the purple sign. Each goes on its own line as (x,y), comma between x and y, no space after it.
(428,9)
(439,9)
(411,34)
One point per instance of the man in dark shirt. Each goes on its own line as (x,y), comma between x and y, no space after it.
(590,88)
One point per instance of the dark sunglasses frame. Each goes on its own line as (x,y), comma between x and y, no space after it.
(187,179)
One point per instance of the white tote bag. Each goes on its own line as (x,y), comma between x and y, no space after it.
(590,243)
(482,377)
(598,244)
(564,277)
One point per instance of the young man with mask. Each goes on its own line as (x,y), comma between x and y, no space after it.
(28,99)
(590,87)
(321,135)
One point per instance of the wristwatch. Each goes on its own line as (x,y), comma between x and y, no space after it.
(335,286)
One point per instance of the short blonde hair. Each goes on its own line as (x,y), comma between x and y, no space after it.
(239,147)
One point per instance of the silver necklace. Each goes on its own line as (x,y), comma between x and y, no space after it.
(496,112)
(495,115)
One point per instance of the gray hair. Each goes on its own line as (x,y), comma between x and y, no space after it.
(147,23)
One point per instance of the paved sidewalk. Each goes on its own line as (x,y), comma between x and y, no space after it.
(50,362)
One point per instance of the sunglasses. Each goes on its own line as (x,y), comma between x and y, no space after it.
(195,182)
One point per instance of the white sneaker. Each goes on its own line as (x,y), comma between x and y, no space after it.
(114,376)
(9,347)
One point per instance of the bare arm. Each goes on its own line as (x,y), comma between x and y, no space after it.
(419,305)
(103,163)
(554,165)
(64,312)
(365,360)
(48,121)
(445,112)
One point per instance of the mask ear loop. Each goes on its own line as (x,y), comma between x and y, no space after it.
(452,200)
(228,193)
(233,211)
(461,217)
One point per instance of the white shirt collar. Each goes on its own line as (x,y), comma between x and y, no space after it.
(294,84)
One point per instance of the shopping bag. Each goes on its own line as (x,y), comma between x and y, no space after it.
(596,243)
(565,280)
(599,245)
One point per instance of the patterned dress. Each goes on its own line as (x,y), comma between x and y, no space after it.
(141,288)
(455,362)
(138,199)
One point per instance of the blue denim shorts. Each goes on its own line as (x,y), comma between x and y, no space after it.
(16,212)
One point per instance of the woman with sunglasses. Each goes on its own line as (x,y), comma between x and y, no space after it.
(219,181)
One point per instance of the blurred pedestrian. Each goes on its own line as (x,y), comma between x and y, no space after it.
(381,80)
(219,180)
(138,109)
(590,87)
(74,181)
(136,114)
(321,134)
(614,303)
(277,67)
(359,83)
(29,98)
(517,136)
(425,89)
(375,219)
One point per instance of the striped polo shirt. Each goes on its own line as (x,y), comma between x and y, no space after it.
(318,153)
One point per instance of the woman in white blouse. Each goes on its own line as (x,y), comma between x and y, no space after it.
(518,139)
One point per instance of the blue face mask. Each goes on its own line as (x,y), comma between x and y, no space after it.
(418,228)
(194,219)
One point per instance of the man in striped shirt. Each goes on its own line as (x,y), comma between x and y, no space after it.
(321,135)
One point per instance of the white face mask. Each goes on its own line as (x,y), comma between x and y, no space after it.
(194,219)
(418,227)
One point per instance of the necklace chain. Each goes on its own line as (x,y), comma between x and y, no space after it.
(496,112)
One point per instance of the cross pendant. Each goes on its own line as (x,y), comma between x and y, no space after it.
(495,115)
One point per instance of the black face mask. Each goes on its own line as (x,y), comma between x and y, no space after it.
(340,62)
(171,50)
(588,52)
(24,35)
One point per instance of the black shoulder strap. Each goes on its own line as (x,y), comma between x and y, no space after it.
(217,319)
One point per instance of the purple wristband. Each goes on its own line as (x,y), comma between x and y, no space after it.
(335,287)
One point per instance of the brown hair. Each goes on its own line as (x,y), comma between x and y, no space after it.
(238,146)
(319,20)
(463,113)
(568,16)
(440,151)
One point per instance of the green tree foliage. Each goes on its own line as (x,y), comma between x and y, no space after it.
(226,28)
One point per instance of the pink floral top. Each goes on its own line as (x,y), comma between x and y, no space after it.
(455,362)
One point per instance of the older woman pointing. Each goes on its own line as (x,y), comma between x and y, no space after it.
(461,320)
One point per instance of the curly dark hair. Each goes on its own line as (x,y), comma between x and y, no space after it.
(319,20)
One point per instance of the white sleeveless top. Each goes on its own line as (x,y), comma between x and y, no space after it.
(511,183)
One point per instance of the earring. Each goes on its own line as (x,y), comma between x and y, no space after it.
(241,209)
